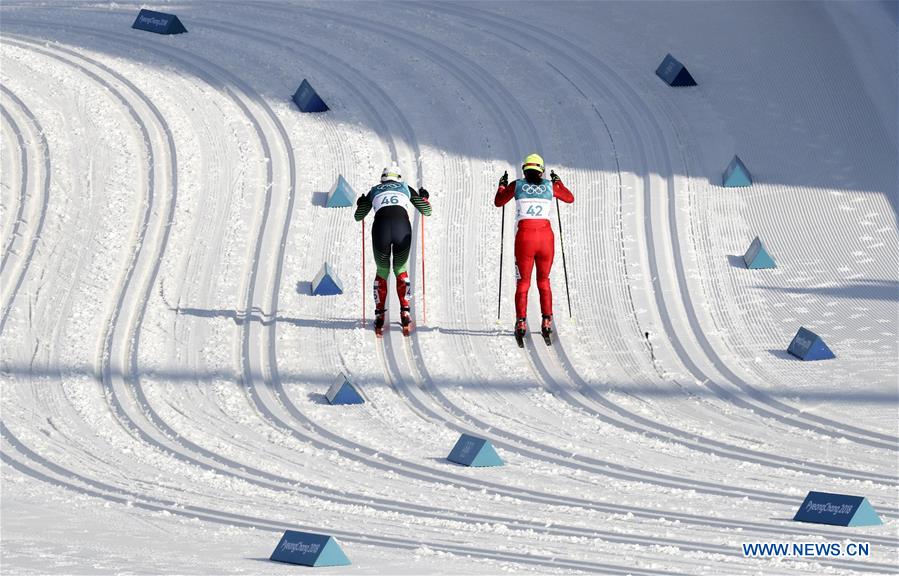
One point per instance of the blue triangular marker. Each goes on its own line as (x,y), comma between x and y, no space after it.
(343,392)
(326,283)
(487,456)
(308,100)
(674,73)
(806,345)
(736,175)
(819,351)
(757,256)
(341,195)
(308,549)
(473,451)
(865,515)
(158,22)
(332,555)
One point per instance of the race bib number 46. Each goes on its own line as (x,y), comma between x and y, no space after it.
(386,199)
(533,208)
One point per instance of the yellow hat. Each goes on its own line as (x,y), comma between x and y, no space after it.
(533,162)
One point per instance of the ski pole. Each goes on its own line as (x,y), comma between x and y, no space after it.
(424,303)
(502,232)
(564,265)
(363,272)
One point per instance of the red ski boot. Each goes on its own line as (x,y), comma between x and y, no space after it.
(406,321)
(546,329)
(379,323)
(521,329)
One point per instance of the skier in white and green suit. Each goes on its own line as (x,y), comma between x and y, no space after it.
(392,233)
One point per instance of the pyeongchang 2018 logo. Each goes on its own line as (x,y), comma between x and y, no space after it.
(828,507)
(301,547)
(153,21)
(533,189)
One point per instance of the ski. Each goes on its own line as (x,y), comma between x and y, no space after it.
(547,337)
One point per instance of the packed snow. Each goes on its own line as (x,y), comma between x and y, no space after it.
(164,366)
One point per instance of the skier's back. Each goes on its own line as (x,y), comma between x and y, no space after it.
(392,233)
(534,239)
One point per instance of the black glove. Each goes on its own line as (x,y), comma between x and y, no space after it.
(504,179)
(554,177)
(359,200)
(424,193)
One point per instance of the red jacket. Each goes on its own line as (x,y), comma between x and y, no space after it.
(506,193)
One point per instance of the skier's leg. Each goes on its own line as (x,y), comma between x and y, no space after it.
(544,258)
(380,242)
(524,267)
(402,242)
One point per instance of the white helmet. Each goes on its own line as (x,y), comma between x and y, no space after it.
(392,172)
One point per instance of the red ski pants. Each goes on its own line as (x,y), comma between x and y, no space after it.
(534,242)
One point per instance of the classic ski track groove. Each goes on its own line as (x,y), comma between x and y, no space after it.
(22,154)
(12,163)
(41,210)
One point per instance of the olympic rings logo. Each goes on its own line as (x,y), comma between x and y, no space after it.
(532,189)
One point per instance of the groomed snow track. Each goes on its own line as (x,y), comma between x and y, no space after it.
(164,368)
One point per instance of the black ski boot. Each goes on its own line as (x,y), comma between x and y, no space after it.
(379,323)
(546,329)
(521,329)
(406,321)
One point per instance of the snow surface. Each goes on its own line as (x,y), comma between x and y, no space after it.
(164,368)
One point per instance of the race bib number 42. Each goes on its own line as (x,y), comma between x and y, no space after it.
(533,208)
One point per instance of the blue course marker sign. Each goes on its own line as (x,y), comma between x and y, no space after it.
(807,345)
(736,175)
(343,392)
(341,195)
(158,22)
(308,100)
(326,282)
(674,73)
(307,549)
(473,451)
(757,256)
(837,510)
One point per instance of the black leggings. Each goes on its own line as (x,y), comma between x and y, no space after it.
(391,231)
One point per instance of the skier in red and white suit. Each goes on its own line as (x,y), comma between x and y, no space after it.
(534,239)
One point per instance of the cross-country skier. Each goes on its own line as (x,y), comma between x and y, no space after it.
(392,232)
(534,240)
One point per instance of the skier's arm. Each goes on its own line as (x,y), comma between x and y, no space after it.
(420,199)
(560,191)
(363,207)
(504,193)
